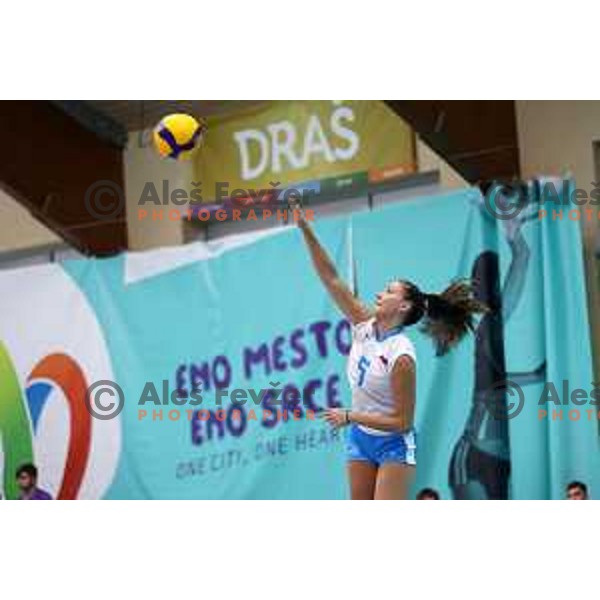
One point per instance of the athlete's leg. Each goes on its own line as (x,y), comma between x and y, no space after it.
(393,481)
(363,475)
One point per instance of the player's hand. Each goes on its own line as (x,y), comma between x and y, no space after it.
(336,417)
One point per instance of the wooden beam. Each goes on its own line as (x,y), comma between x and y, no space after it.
(478,138)
(48,162)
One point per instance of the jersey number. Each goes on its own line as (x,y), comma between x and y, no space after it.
(363,365)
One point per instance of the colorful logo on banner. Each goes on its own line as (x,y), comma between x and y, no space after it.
(20,415)
(339,144)
(50,352)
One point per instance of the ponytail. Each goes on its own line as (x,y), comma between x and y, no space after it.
(447,317)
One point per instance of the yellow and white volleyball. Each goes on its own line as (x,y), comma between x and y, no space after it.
(178,135)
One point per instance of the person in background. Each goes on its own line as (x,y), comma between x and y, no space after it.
(428,494)
(577,491)
(27,482)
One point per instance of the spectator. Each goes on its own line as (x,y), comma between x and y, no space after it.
(27,482)
(577,491)
(428,494)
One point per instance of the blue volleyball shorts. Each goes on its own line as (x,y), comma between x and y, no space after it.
(379,449)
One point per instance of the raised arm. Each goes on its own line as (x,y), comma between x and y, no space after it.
(515,278)
(352,307)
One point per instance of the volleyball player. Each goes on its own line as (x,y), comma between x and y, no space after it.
(382,371)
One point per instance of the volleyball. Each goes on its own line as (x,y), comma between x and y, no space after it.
(178,135)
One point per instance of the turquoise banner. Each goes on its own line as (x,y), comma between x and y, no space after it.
(249,314)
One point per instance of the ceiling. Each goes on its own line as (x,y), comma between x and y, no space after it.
(143,114)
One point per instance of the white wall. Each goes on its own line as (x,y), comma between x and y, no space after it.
(20,229)
(142,164)
(556,138)
(429,160)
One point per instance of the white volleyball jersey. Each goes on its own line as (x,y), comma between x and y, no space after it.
(370,365)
